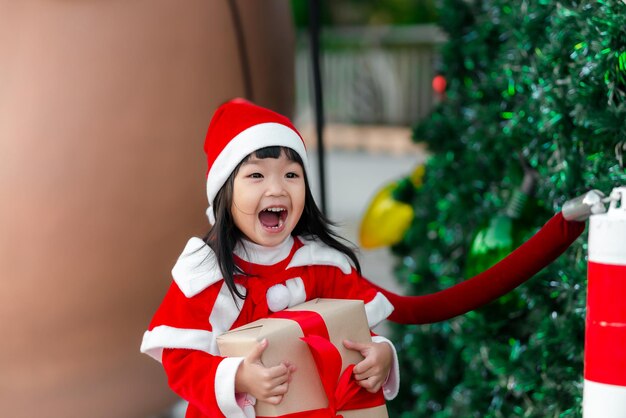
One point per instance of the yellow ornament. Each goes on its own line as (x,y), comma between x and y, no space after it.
(387,219)
(417,176)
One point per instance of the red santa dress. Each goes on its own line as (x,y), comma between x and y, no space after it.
(198,307)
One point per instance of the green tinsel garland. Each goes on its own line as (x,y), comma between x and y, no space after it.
(541,79)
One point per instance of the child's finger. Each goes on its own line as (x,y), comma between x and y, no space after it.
(274,400)
(277,373)
(365,375)
(280,380)
(371,384)
(291,366)
(280,389)
(355,346)
(255,355)
(277,393)
(362,376)
(363,366)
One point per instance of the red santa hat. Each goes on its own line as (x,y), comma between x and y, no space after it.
(237,129)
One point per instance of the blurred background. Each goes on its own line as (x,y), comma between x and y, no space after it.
(435,112)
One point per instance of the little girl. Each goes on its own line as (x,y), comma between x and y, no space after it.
(270,248)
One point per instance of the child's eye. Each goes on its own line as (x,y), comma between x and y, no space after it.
(292,175)
(256,175)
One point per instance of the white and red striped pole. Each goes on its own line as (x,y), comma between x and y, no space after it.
(604,391)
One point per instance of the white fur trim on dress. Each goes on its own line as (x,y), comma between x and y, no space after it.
(196,268)
(277,297)
(316,252)
(281,296)
(259,254)
(246,402)
(297,292)
(247,141)
(392,384)
(224,314)
(225,311)
(225,387)
(378,309)
(164,336)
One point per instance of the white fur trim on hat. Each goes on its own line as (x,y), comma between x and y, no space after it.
(210,215)
(247,141)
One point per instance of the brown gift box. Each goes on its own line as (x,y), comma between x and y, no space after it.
(344,319)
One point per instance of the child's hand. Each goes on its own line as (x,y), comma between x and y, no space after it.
(266,384)
(371,373)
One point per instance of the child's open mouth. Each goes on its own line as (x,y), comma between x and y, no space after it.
(273,218)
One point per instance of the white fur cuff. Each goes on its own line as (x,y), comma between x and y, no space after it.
(392,384)
(225,387)
(378,309)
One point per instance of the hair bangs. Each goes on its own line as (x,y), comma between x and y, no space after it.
(274,152)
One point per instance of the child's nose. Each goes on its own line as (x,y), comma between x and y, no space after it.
(275,187)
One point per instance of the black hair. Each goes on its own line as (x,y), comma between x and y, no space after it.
(224,235)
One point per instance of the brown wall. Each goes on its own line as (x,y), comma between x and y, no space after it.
(103,110)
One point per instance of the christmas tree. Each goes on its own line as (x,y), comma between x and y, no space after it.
(537,85)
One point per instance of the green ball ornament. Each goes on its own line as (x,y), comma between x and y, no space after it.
(498,238)
(503,233)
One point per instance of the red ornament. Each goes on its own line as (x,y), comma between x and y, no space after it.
(439,84)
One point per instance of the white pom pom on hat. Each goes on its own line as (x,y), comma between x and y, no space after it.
(237,129)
